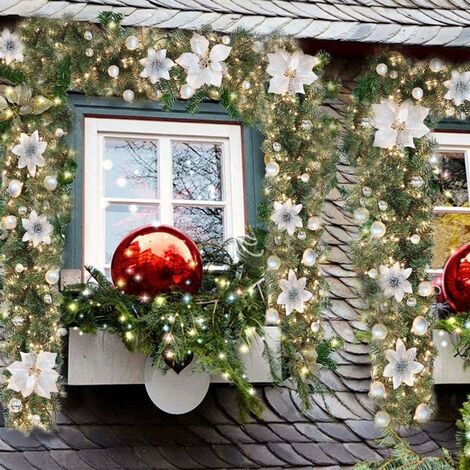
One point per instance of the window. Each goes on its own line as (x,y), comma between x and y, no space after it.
(142,172)
(453,206)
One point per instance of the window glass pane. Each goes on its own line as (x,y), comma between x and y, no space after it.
(122,219)
(451,231)
(202,224)
(452,179)
(197,171)
(131,168)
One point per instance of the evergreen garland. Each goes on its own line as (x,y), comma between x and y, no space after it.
(63,56)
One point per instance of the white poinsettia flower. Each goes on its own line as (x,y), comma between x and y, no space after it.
(156,65)
(34,374)
(394,281)
(11,47)
(458,87)
(286,216)
(398,124)
(402,366)
(293,295)
(38,229)
(290,72)
(30,150)
(204,67)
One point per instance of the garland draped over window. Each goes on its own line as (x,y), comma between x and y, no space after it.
(267,82)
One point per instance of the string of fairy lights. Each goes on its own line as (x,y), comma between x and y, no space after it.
(256,79)
(393,105)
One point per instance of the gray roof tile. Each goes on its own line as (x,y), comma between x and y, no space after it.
(69,460)
(15,461)
(41,460)
(287,453)
(98,458)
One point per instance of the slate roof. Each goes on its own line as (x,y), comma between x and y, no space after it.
(421,22)
(117,427)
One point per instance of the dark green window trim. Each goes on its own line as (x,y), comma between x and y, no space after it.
(82,106)
(454,125)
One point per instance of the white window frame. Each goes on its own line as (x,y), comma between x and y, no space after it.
(450,142)
(97,129)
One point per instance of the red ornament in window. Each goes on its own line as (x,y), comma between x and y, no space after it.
(456,280)
(153,260)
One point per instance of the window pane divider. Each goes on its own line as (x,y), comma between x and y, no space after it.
(117,200)
(187,202)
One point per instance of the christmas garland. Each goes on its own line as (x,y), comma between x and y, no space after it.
(395,104)
(267,82)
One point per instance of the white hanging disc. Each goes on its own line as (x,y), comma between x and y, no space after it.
(176,393)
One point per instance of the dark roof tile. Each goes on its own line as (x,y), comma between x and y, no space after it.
(152,457)
(98,458)
(235,434)
(205,456)
(233,456)
(179,457)
(126,457)
(261,455)
(364,428)
(287,453)
(74,437)
(210,435)
(313,432)
(69,460)
(362,452)
(101,435)
(18,440)
(338,452)
(261,433)
(41,460)
(339,432)
(15,461)
(48,440)
(288,433)
(314,453)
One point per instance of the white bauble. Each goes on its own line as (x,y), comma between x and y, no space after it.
(411,301)
(314,223)
(417,93)
(226,40)
(50,182)
(382,419)
(89,52)
(381,69)
(301,235)
(304,177)
(415,239)
(425,289)
(393,74)
(88,35)
(9,222)
(272,317)
(113,71)
(373,273)
(306,124)
(246,85)
(18,321)
(14,188)
(377,390)
(383,206)
(273,263)
(417,182)
(315,326)
(128,96)
(132,43)
(277,147)
(423,413)
(272,169)
(309,257)
(377,229)
(36,420)
(361,215)
(19,268)
(186,91)
(379,331)
(436,64)
(52,276)
(420,326)
(62,332)
(59,133)
(22,210)
(15,405)
(367,191)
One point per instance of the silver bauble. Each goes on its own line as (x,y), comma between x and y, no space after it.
(425,289)
(50,182)
(382,419)
(128,96)
(381,69)
(422,413)
(273,263)
(14,188)
(420,326)
(132,43)
(361,215)
(377,229)
(52,276)
(113,71)
(377,390)
(9,222)
(379,331)
(272,317)
(272,169)
(314,223)
(186,91)
(309,257)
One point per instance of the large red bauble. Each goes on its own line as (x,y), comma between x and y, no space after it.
(456,280)
(152,260)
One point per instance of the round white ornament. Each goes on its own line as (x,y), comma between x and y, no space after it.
(420,326)
(52,276)
(226,40)
(272,317)
(436,64)
(314,223)
(425,289)
(377,390)
(411,302)
(382,419)
(128,96)
(417,93)
(272,169)
(304,177)
(186,91)
(277,147)
(50,182)
(62,332)
(19,268)
(373,273)
(9,222)
(366,191)
(88,35)
(176,393)
(15,405)
(132,43)
(415,239)
(14,188)
(383,206)
(59,133)
(422,413)
(379,331)
(381,69)
(306,124)
(361,215)
(246,85)
(377,229)
(309,257)
(315,326)
(89,52)
(273,262)
(113,71)
(417,181)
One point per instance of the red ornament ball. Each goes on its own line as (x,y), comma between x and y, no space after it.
(456,280)
(153,260)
